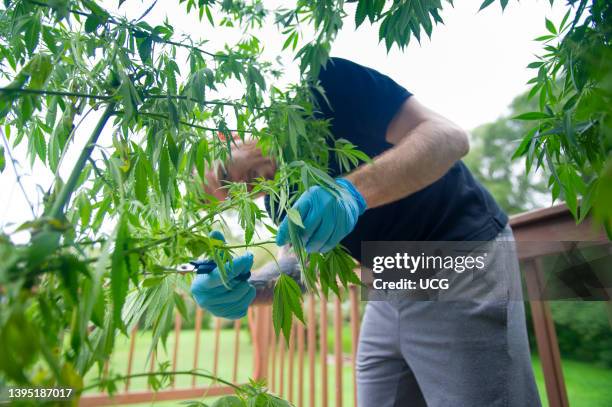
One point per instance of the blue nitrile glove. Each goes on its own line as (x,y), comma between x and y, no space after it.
(327,217)
(211,294)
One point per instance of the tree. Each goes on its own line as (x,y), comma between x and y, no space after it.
(492,146)
(572,137)
(102,253)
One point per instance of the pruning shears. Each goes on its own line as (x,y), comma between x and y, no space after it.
(206,266)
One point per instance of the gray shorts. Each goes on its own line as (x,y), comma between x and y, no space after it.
(448,353)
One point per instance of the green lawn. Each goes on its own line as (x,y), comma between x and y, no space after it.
(587,385)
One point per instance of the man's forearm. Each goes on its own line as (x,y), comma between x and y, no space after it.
(419,159)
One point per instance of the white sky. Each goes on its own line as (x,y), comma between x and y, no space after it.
(469,71)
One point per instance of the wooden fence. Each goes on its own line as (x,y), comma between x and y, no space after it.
(305,367)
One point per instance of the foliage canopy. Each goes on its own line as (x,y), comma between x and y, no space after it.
(103,250)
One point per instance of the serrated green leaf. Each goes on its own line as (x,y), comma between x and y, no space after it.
(544,37)
(119,274)
(198,87)
(229,401)
(294,216)
(209,16)
(289,40)
(32,34)
(179,301)
(151,282)
(42,245)
(2,159)
(164,170)
(92,23)
(586,203)
(271,229)
(361,12)
(127,96)
(550,26)
(485,4)
(536,64)
(173,151)
(173,114)
(532,116)
(141,184)
(40,144)
(525,143)
(145,49)
(84,209)
(287,302)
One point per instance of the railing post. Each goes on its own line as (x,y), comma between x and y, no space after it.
(151,366)
(312,348)
(281,365)
(546,336)
(300,346)
(338,349)
(196,351)
(217,339)
(355,319)
(291,358)
(323,350)
(272,371)
(131,357)
(260,331)
(177,334)
(237,326)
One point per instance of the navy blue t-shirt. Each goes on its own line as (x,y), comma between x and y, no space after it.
(362,103)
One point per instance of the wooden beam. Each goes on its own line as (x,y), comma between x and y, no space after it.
(546,337)
(91,400)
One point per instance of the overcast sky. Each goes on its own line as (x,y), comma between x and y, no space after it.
(470,70)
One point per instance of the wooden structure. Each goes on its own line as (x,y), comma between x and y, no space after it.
(293,371)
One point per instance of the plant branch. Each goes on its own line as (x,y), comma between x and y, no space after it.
(135,29)
(30,91)
(184,123)
(149,374)
(157,242)
(17,174)
(68,188)
(99,173)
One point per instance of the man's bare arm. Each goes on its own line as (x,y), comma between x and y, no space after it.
(426,145)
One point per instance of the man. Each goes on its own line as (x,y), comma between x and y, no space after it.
(411,353)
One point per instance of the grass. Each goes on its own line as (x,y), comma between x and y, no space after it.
(587,385)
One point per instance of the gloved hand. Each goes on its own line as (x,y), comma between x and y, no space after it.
(327,217)
(211,294)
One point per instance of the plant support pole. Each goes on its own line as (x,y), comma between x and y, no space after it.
(64,195)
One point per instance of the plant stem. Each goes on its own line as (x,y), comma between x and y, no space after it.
(184,123)
(17,174)
(157,242)
(256,244)
(175,373)
(133,28)
(29,91)
(63,197)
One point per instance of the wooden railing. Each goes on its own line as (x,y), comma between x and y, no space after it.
(550,228)
(284,366)
(300,370)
